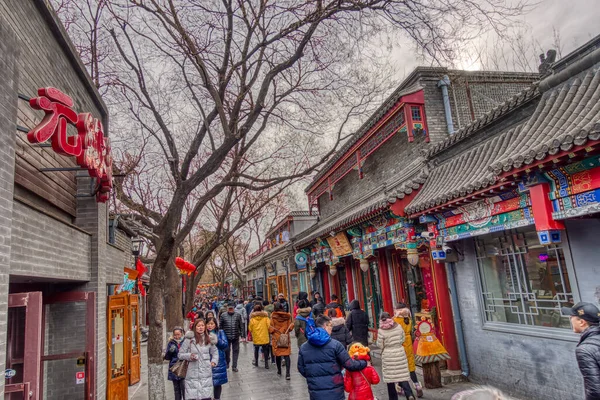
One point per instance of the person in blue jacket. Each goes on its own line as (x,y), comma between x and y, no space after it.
(321,361)
(171,355)
(220,371)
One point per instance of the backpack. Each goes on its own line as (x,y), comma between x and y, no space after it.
(310,324)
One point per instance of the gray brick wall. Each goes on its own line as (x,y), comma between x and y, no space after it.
(487,90)
(118,257)
(529,367)
(9,79)
(44,247)
(382,166)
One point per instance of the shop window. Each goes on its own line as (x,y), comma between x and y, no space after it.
(302,280)
(294,287)
(523,282)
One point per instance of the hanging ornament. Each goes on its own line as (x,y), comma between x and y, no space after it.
(333,269)
(364,265)
(412,255)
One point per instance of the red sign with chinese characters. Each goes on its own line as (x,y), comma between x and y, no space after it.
(89,146)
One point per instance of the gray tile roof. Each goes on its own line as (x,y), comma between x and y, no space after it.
(567,116)
(462,175)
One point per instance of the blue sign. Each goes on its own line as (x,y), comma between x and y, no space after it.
(9,373)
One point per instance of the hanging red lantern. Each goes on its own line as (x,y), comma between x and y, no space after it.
(184,267)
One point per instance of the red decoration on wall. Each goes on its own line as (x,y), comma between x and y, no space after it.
(90,147)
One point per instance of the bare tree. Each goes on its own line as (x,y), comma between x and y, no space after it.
(249,95)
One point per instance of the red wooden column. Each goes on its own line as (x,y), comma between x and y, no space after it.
(541,206)
(384,277)
(325,278)
(349,261)
(444,314)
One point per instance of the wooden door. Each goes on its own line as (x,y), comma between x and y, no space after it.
(133,341)
(282,285)
(118,366)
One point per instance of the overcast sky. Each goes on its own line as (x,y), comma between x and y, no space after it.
(575,21)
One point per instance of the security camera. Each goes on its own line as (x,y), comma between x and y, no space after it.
(448,250)
(332,234)
(427,235)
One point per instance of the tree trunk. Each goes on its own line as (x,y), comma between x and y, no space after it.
(156,380)
(173,302)
(156,341)
(432,375)
(192,283)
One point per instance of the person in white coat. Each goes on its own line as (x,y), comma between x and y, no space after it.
(199,349)
(390,338)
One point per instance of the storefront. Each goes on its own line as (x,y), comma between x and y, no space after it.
(57,256)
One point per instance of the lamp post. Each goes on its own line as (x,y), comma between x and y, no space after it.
(136,248)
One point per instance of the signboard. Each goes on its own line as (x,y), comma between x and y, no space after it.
(10,373)
(79,378)
(90,148)
(301,260)
(339,244)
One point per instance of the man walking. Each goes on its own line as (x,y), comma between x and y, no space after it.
(231,323)
(321,361)
(585,319)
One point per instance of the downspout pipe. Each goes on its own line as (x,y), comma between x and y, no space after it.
(444,83)
(460,334)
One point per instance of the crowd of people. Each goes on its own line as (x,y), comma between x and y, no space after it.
(333,346)
(333,356)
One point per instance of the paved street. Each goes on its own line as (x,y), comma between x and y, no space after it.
(258,383)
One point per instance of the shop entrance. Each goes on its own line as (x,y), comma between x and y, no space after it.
(372,293)
(38,364)
(123,336)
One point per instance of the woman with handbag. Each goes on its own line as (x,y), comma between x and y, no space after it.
(201,354)
(281,325)
(171,355)
(220,371)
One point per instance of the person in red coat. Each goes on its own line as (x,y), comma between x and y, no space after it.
(358,383)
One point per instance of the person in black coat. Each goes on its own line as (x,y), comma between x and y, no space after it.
(358,323)
(231,323)
(172,356)
(339,331)
(317,299)
(585,319)
(321,361)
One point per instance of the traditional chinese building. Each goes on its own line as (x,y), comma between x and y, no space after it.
(57,258)
(275,268)
(365,247)
(515,197)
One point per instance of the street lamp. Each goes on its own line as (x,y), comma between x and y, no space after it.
(136,246)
